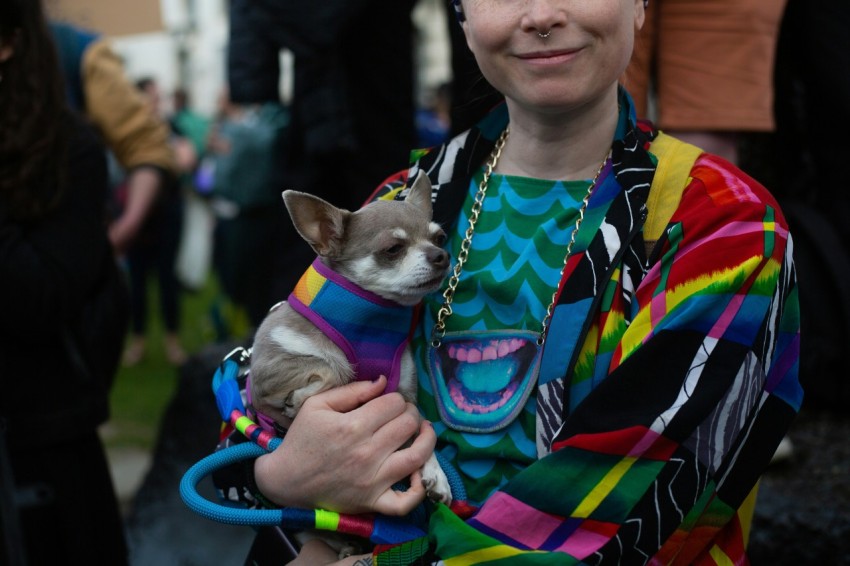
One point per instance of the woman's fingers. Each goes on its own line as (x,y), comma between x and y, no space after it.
(402,462)
(406,462)
(388,419)
(399,429)
(350,396)
(345,450)
(399,503)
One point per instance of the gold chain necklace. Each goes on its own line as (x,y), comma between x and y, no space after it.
(478,202)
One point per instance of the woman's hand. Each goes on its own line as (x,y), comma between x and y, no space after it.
(343,453)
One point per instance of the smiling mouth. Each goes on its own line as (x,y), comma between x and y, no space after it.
(550,56)
(481,378)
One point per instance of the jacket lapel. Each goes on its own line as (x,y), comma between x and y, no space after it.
(617,242)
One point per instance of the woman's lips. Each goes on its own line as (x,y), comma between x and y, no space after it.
(550,57)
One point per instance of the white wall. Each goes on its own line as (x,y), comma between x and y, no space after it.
(208,52)
(204,38)
(433,54)
(149,55)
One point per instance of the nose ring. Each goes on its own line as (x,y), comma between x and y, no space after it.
(544,35)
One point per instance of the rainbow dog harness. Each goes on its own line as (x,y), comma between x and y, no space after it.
(372,331)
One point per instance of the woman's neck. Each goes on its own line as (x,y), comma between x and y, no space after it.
(565,147)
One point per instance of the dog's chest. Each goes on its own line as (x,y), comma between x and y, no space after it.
(371,331)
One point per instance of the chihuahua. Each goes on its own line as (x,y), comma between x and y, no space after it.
(351,314)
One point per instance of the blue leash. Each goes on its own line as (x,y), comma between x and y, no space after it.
(379,529)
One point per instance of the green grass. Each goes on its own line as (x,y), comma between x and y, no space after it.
(142,392)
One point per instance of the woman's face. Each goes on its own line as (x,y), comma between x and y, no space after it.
(588,47)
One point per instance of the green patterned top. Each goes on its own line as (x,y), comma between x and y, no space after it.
(515,261)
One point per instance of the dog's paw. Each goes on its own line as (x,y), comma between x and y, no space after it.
(435,481)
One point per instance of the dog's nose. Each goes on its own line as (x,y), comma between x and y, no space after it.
(439,257)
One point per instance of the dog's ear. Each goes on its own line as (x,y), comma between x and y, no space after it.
(420,193)
(320,223)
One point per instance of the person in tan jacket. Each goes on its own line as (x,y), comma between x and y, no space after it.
(98,87)
(140,140)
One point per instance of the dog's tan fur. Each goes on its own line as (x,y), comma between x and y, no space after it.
(390,248)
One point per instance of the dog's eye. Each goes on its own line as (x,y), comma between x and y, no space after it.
(394,250)
(290,402)
(440,238)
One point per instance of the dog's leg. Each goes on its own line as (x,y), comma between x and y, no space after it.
(433,478)
(435,481)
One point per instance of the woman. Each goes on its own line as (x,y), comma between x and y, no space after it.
(55,260)
(668,369)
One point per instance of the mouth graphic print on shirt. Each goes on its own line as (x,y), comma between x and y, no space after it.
(482,379)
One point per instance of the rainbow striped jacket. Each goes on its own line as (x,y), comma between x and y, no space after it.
(667,381)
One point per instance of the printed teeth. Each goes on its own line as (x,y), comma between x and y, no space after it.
(494,350)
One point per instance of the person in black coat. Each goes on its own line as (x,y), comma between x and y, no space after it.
(352,112)
(64,310)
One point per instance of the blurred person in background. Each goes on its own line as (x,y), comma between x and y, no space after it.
(189,124)
(352,110)
(64,305)
(154,248)
(97,86)
(812,113)
(244,153)
(708,66)
(433,119)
